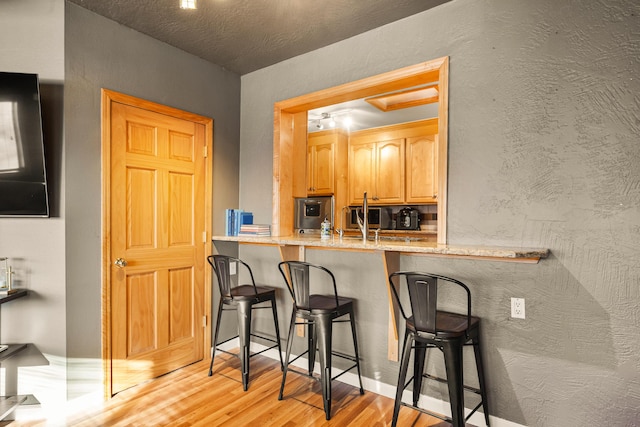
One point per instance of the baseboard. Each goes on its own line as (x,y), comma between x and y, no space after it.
(387,390)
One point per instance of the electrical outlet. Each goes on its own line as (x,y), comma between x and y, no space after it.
(517,308)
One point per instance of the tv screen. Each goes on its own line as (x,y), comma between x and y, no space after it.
(23,183)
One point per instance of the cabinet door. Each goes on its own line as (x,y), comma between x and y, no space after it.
(422,170)
(320,169)
(362,168)
(389,174)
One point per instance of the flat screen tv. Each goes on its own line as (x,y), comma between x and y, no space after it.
(23,178)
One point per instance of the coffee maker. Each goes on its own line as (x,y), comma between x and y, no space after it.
(408,219)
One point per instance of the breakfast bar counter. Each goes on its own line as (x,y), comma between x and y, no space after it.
(293,248)
(403,245)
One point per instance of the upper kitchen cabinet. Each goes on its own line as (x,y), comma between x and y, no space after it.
(324,151)
(394,164)
(421,169)
(377,168)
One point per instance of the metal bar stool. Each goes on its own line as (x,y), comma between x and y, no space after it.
(318,312)
(243,299)
(427,327)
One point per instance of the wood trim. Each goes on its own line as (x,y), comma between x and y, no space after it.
(402,78)
(106,243)
(107,98)
(402,130)
(443,150)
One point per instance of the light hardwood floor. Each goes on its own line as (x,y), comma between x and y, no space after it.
(189,397)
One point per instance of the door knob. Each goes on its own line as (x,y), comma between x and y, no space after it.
(120,262)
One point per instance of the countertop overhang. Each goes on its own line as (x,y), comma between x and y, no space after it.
(407,246)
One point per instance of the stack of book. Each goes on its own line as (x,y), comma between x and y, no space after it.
(255,230)
(235,218)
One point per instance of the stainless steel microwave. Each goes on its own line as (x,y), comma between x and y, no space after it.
(311,211)
(379,217)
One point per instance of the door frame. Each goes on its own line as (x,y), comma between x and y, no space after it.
(108,97)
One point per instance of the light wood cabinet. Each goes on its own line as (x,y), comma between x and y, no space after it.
(327,165)
(421,169)
(378,169)
(321,164)
(395,164)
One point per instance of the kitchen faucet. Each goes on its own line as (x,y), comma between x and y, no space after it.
(340,230)
(364,222)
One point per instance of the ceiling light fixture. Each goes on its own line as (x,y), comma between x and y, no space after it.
(187,4)
(332,119)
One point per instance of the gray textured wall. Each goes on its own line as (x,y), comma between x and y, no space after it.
(32,41)
(35,246)
(544,124)
(102,54)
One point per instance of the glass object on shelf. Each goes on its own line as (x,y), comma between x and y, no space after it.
(5,275)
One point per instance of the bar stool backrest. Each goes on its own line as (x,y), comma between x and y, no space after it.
(221,266)
(423,296)
(296,275)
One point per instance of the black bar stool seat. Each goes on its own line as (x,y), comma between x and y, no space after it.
(427,327)
(318,312)
(243,299)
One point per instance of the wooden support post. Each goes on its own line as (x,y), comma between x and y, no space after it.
(391,263)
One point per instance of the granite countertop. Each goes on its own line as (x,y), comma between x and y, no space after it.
(415,246)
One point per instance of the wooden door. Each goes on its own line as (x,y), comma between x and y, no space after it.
(158,231)
(389,174)
(422,169)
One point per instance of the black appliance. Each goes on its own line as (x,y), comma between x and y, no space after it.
(23,183)
(379,217)
(408,219)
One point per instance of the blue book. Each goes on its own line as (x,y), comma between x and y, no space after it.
(233,222)
(237,221)
(247,218)
(227,222)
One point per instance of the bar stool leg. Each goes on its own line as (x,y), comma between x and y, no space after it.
(419,356)
(481,379)
(215,336)
(275,324)
(312,344)
(402,376)
(355,347)
(244,329)
(453,365)
(324,325)
(292,328)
